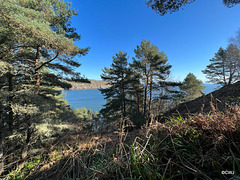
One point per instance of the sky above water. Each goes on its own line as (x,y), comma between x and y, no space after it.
(189,37)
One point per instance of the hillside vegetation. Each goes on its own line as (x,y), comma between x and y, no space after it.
(202,146)
(220,98)
(94,84)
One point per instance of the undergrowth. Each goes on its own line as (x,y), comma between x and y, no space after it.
(202,146)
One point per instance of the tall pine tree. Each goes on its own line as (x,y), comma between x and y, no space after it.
(116,94)
(216,70)
(152,67)
(37,53)
(224,67)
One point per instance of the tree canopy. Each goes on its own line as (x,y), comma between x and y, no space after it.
(135,86)
(169,6)
(117,77)
(224,66)
(37,54)
(153,67)
(192,86)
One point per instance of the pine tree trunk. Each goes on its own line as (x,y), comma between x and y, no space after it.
(138,104)
(37,77)
(150,95)
(145,96)
(124,105)
(224,75)
(131,104)
(230,76)
(123,97)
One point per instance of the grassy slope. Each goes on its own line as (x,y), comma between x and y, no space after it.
(218,98)
(200,146)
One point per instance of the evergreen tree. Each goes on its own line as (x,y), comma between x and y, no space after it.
(192,86)
(136,97)
(224,67)
(233,63)
(34,34)
(216,70)
(169,6)
(82,113)
(231,3)
(37,53)
(116,94)
(152,67)
(44,28)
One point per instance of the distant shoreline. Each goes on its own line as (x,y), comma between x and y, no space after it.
(84,89)
(95,84)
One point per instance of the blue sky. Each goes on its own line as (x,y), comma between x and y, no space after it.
(189,37)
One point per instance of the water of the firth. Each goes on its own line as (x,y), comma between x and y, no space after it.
(92,98)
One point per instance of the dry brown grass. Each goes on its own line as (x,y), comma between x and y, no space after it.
(200,146)
(218,122)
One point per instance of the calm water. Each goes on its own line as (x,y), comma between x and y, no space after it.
(88,98)
(92,98)
(211,87)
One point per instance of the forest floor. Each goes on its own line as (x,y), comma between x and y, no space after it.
(69,155)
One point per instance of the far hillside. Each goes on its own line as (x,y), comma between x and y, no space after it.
(95,84)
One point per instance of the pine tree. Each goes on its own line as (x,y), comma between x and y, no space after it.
(38,52)
(82,113)
(152,67)
(135,91)
(33,35)
(192,86)
(116,94)
(216,70)
(224,67)
(232,63)
(43,27)
(169,6)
